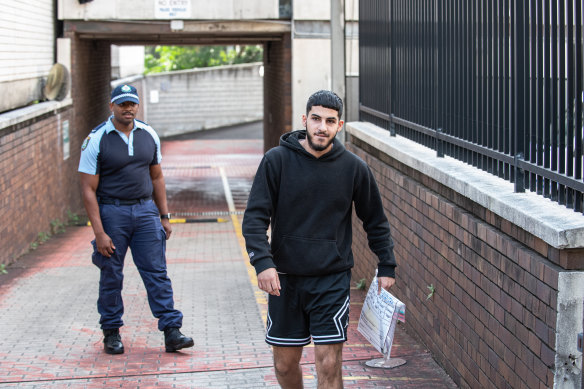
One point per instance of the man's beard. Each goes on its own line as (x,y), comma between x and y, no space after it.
(317,146)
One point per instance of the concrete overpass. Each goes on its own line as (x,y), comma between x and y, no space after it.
(298,39)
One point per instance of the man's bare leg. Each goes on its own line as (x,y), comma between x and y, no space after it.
(329,363)
(287,366)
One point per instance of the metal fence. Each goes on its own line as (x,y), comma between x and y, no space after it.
(497,84)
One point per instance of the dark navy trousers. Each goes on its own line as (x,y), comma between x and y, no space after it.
(137,227)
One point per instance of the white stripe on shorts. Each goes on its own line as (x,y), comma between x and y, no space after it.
(283,341)
(340,335)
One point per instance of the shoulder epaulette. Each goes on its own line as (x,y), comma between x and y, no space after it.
(98,127)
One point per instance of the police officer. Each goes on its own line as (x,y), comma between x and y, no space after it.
(125,198)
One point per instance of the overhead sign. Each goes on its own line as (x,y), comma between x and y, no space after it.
(172,9)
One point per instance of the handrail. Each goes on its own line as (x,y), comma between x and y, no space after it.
(439,136)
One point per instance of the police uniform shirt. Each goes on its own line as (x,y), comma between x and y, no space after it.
(123,163)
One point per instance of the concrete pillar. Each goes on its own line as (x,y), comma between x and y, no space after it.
(311,53)
(338,53)
(568,360)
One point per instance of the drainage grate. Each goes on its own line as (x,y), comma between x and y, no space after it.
(214,213)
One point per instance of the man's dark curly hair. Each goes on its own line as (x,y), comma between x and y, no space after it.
(327,99)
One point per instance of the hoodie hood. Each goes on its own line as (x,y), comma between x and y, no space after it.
(292,139)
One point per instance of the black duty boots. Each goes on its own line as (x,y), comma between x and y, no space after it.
(112,342)
(174,340)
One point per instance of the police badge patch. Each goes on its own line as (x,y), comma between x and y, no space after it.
(85,143)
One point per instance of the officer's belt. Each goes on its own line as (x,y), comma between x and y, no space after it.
(109,200)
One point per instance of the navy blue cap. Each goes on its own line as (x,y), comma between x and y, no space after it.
(123,93)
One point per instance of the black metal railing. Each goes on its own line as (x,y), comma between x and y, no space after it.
(497,84)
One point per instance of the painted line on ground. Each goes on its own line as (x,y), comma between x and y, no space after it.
(182,221)
(215,220)
(260,295)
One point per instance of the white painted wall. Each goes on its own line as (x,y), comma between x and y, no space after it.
(127,61)
(146,9)
(27,43)
(311,71)
(352,10)
(192,100)
(352,60)
(352,38)
(311,10)
(311,53)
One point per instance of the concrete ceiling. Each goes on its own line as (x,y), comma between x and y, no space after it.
(179,32)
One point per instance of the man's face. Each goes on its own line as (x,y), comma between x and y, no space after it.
(322,125)
(124,113)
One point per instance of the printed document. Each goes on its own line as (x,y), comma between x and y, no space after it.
(378,318)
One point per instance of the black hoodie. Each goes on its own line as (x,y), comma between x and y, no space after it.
(307,201)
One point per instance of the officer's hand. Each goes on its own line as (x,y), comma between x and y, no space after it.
(104,244)
(268,281)
(385,283)
(167,227)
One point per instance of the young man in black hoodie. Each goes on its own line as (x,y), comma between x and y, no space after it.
(304,190)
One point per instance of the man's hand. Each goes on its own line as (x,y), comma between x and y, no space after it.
(167,227)
(104,244)
(268,281)
(385,283)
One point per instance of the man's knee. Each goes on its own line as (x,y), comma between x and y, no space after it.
(330,363)
(287,360)
(329,359)
(285,368)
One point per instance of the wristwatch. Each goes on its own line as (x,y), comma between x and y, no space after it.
(166,216)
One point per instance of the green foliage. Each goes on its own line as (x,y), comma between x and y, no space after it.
(73,218)
(361,284)
(57,227)
(3,269)
(432,290)
(43,236)
(248,54)
(160,59)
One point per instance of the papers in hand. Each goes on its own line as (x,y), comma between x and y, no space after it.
(378,317)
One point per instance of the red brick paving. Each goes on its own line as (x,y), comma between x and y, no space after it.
(49,332)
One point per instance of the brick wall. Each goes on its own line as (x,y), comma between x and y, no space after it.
(35,181)
(90,91)
(90,85)
(492,319)
(38,186)
(277,90)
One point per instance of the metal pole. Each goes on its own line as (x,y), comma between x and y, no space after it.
(519,95)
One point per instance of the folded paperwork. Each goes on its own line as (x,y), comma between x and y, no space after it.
(379,316)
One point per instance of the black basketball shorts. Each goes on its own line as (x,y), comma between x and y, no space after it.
(314,307)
